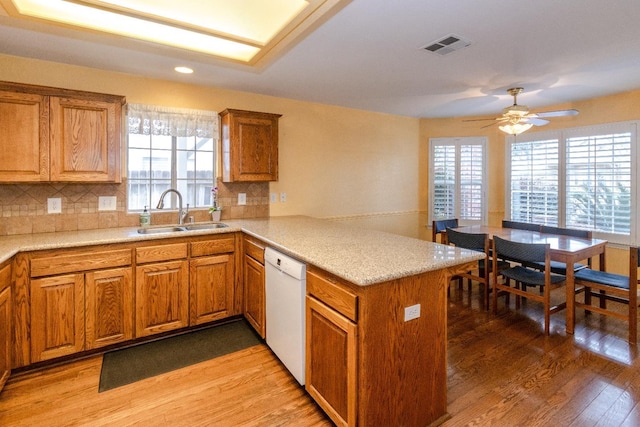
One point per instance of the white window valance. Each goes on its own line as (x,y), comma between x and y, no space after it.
(157,120)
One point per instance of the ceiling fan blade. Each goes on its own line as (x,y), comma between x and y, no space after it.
(480,120)
(558,113)
(489,125)
(536,121)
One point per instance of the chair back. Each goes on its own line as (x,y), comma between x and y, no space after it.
(520,252)
(440,227)
(585,234)
(520,225)
(473,241)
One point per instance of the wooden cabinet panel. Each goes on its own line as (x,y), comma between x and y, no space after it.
(60,263)
(57,316)
(108,307)
(5,324)
(254,302)
(211,288)
(24,137)
(249,146)
(164,252)
(212,247)
(331,365)
(162,297)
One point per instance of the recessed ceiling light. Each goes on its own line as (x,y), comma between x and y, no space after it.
(243,31)
(184,70)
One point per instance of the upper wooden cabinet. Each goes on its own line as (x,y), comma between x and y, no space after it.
(249,146)
(59,135)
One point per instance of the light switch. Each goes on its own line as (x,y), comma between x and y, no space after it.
(283,197)
(274,197)
(242,198)
(107,203)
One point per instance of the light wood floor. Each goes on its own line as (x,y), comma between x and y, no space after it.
(502,372)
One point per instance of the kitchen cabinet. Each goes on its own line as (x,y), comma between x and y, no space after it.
(5,323)
(59,135)
(249,146)
(79,302)
(331,348)
(162,288)
(211,280)
(254,282)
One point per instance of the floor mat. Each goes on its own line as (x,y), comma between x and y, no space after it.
(126,366)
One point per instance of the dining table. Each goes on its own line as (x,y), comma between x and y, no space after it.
(562,248)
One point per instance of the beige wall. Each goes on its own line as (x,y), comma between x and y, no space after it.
(348,165)
(608,109)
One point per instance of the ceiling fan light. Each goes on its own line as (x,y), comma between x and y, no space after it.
(515,128)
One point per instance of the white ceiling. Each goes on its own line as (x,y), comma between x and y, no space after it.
(368,55)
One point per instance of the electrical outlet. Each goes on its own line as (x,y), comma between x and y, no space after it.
(411,312)
(283,197)
(274,197)
(242,198)
(54,205)
(107,203)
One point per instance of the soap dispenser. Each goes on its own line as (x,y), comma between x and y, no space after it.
(145,218)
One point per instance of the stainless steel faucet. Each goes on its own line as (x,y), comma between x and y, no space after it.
(181,215)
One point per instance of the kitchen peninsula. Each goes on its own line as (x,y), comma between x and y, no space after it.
(396,368)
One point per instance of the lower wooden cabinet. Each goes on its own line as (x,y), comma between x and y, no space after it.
(82,311)
(162,297)
(254,282)
(5,324)
(331,365)
(211,288)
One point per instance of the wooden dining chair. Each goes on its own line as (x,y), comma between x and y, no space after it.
(612,287)
(524,253)
(439,228)
(482,272)
(558,267)
(520,225)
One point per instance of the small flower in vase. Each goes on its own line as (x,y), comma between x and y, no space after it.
(215,209)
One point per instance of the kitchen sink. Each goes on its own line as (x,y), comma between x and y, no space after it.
(178,228)
(205,226)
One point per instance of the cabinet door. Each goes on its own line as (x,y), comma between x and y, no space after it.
(108,307)
(162,297)
(57,316)
(254,294)
(249,146)
(211,288)
(5,329)
(331,366)
(24,137)
(84,140)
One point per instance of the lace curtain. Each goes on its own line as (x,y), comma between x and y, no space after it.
(156,120)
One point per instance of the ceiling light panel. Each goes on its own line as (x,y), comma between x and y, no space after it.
(250,32)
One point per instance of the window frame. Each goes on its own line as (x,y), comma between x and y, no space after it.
(458,142)
(563,135)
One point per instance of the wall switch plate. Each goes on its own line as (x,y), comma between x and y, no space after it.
(54,205)
(107,203)
(283,197)
(242,198)
(411,312)
(274,197)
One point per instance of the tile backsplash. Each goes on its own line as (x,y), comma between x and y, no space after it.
(24,207)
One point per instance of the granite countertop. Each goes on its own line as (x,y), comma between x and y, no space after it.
(359,255)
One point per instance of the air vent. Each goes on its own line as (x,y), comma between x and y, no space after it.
(447,44)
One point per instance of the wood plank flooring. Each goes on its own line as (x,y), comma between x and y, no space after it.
(502,372)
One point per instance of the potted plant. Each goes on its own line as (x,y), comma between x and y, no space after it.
(215,210)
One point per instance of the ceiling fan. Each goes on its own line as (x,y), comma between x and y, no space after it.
(517,118)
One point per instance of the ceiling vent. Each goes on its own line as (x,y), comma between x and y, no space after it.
(447,44)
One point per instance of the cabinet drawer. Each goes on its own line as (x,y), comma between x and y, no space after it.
(332,294)
(72,263)
(254,250)
(212,247)
(161,253)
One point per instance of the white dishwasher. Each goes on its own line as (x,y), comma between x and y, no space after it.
(285,289)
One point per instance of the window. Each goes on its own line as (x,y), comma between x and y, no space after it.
(170,148)
(457,177)
(576,178)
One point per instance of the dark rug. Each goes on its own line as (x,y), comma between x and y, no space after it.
(126,366)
